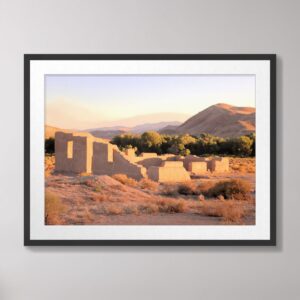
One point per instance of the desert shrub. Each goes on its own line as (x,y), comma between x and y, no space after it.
(89,182)
(148,184)
(124,179)
(114,209)
(229,211)
(188,188)
(98,189)
(131,210)
(171,206)
(53,209)
(205,186)
(201,197)
(49,164)
(168,190)
(100,197)
(235,188)
(148,208)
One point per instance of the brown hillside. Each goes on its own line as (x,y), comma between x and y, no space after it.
(221,120)
(50,131)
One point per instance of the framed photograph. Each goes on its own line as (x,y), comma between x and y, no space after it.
(150,149)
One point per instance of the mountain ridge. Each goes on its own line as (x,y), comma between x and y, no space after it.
(223,120)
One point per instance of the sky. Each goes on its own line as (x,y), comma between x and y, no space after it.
(86,101)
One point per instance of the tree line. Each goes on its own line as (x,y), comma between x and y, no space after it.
(204,144)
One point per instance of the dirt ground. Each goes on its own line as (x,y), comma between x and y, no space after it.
(78,199)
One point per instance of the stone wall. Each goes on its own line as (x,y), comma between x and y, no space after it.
(197,167)
(219,164)
(192,158)
(170,171)
(84,153)
(121,164)
(73,152)
(81,152)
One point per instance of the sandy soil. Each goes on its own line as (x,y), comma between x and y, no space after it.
(104,200)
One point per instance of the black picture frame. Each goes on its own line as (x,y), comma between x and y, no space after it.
(31,242)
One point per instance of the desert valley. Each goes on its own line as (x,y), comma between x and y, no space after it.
(200,171)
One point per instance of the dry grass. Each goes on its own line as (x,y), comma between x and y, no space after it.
(102,200)
(168,190)
(230,189)
(100,197)
(148,184)
(229,211)
(49,164)
(124,179)
(188,188)
(131,210)
(90,183)
(53,209)
(171,206)
(242,165)
(205,186)
(114,209)
(148,208)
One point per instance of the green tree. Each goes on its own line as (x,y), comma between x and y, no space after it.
(179,149)
(185,152)
(151,141)
(242,146)
(49,145)
(186,139)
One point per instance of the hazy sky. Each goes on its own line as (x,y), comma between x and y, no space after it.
(83,102)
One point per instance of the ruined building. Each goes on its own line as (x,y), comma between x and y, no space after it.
(84,153)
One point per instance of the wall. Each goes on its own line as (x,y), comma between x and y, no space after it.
(170,26)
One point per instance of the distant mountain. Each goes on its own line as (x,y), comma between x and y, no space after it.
(50,131)
(222,120)
(107,134)
(170,129)
(108,128)
(110,132)
(153,126)
(131,122)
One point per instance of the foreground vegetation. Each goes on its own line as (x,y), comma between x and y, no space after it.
(91,199)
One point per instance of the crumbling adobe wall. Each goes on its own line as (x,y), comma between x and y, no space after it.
(219,164)
(169,171)
(197,167)
(121,164)
(148,154)
(81,152)
(152,159)
(130,152)
(192,158)
(149,162)
(92,155)
(102,158)
(73,152)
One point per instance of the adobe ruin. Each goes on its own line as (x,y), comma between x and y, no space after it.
(83,153)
